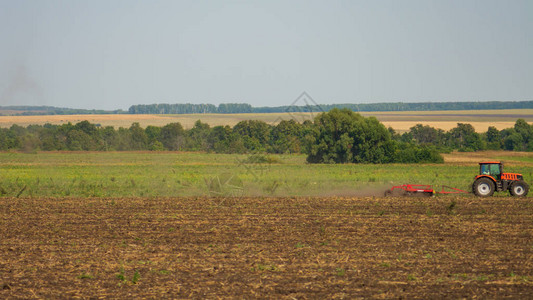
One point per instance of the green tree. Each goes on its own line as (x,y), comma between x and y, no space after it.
(139,140)
(173,136)
(526,131)
(513,140)
(153,134)
(465,138)
(494,141)
(286,137)
(198,136)
(424,134)
(342,136)
(254,134)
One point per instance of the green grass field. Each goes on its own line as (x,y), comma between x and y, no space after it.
(151,174)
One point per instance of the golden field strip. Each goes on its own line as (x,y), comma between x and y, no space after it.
(400,121)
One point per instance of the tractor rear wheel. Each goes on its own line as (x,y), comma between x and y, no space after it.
(483,187)
(519,189)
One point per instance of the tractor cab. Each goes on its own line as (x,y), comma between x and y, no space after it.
(492,168)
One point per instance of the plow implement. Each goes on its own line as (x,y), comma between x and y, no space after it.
(421,190)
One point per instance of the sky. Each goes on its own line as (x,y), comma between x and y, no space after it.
(113,54)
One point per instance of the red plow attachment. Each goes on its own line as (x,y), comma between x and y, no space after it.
(421,189)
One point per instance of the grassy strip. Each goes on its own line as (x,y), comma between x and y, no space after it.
(149,174)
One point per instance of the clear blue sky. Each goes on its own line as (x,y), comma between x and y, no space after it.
(113,54)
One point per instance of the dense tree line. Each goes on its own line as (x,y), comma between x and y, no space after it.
(365,107)
(229,108)
(51,110)
(426,106)
(465,138)
(223,108)
(338,136)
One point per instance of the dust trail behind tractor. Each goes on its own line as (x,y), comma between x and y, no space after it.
(421,190)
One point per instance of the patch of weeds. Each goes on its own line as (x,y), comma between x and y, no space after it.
(411,277)
(271,188)
(340,271)
(211,247)
(399,259)
(300,245)
(265,267)
(85,276)
(120,276)
(385,264)
(144,262)
(462,276)
(123,279)
(21,191)
(482,278)
(451,207)
(452,254)
(428,256)
(261,159)
(136,277)
(429,213)
(381,213)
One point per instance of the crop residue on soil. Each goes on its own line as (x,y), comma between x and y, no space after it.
(266,247)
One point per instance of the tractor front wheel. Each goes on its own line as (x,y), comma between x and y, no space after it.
(519,189)
(483,187)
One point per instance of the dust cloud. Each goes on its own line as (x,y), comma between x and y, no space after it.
(19,84)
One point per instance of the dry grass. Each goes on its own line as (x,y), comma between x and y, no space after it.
(400,121)
(462,158)
(403,126)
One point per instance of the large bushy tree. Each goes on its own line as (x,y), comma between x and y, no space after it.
(342,136)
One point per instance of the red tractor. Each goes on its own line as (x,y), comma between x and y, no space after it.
(491,178)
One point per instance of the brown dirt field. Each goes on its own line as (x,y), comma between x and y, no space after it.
(289,248)
(400,121)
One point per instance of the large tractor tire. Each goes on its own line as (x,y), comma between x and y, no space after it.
(483,187)
(519,189)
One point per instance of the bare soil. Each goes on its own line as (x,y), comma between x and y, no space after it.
(292,248)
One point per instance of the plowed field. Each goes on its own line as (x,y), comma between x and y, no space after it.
(266,247)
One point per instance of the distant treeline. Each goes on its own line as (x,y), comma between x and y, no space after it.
(335,137)
(224,108)
(51,110)
(399,106)
(235,108)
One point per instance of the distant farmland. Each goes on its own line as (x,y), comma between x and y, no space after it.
(400,121)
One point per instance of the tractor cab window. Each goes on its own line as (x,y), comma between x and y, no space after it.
(485,169)
(492,170)
(495,170)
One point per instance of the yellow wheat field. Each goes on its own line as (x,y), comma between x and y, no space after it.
(400,121)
